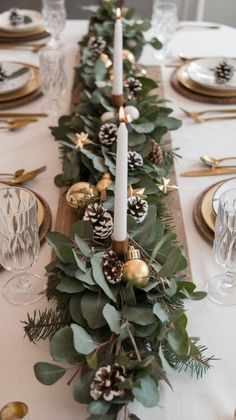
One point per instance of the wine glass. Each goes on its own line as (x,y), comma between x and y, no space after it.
(222,288)
(53,78)
(54,15)
(19,244)
(164,22)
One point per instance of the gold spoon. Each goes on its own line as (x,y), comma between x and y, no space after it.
(26,176)
(213,162)
(19,172)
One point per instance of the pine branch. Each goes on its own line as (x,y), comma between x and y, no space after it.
(197,363)
(43,324)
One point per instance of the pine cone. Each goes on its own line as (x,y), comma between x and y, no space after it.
(15,18)
(134,160)
(223,72)
(102,220)
(156,155)
(97,45)
(133,85)
(3,74)
(108,134)
(105,382)
(138,208)
(112,267)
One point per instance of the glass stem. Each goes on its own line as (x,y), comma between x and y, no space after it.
(24,281)
(229,280)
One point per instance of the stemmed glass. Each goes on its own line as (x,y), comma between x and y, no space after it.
(54,15)
(19,244)
(164,22)
(53,78)
(222,288)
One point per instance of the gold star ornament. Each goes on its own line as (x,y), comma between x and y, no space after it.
(138,192)
(165,186)
(81,140)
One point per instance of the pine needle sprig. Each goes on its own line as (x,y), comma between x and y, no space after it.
(197,363)
(43,324)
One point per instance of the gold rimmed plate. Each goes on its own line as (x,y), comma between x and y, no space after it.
(184,79)
(32,86)
(22,34)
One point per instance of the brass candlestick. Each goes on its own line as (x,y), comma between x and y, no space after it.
(117,101)
(120,248)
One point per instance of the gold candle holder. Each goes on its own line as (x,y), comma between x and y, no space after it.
(14,410)
(117,101)
(120,248)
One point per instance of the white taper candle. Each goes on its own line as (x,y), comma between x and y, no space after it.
(117,88)
(121,181)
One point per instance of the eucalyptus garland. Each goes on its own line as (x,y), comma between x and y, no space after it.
(122,337)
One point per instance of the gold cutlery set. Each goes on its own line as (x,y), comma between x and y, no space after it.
(14,121)
(214,167)
(197,116)
(20,176)
(25,47)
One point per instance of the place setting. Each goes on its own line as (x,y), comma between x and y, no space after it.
(209,80)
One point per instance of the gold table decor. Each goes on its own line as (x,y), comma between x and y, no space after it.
(14,410)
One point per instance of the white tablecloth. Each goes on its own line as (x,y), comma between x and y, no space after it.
(210,398)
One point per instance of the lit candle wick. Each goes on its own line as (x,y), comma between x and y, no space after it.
(122,114)
(118,13)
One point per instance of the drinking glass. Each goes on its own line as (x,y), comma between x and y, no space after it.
(164,22)
(19,244)
(222,288)
(53,78)
(54,15)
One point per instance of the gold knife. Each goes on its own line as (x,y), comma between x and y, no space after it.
(211,172)
(22,114)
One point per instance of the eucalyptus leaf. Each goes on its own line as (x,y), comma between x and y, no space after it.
(69,285)
(112,317)
(83,343)
(147,127)
(82,388)
(146,392)
(48,373)
(75,310)
(141,315)
(160,311)
(92,306)
(18,73)
(83,245)
(178,340)
(99,407)
(81,264)
(62,346)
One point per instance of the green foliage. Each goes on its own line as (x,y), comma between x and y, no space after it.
(96,323)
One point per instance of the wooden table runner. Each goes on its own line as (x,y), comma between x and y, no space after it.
(66,216)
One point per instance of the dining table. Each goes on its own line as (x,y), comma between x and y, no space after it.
(212,397)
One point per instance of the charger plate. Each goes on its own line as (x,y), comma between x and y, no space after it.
(193,95)
(185,80)
(26,36)
(203,215)
(31,86)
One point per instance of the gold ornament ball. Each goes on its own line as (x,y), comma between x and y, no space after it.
(135,269)
(79,192)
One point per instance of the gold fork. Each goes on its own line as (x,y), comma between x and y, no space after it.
(207,111)
(24,177)
(202,120)
(14,123)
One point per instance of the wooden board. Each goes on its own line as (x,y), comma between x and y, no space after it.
(66,216)
(194,96)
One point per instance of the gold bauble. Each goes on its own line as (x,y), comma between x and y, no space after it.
(104,182)
(129,56)
(106,60)
(79,193)
(135,269)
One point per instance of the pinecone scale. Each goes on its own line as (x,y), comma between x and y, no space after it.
(101,219)
(135,160)
(112,267)
(137,208)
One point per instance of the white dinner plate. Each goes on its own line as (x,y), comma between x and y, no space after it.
(202,72)
(225,186)
(17,82)
(35,16)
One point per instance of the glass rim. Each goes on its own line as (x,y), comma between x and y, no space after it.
(167,5)
(33,197)
(222,204)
